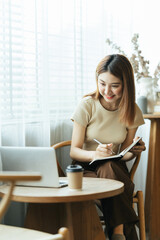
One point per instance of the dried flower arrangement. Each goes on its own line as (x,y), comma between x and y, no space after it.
(140,65)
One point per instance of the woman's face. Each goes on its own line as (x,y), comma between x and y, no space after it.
(110,87)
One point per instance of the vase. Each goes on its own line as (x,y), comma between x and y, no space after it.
(142,103)
(145,87)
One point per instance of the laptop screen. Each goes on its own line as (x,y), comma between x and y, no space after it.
(32,159)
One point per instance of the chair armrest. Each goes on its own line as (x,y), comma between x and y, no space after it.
(12,177)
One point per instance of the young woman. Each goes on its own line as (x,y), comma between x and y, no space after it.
(111,116)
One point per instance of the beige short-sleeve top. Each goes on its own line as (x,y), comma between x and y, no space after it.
(102,124)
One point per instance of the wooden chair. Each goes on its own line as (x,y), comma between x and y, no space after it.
(18,233)
(137,196)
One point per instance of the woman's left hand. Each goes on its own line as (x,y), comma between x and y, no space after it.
(139,147)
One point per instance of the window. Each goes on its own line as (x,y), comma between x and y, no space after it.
(49,50)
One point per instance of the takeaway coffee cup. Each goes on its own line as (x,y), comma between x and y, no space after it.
(75,176)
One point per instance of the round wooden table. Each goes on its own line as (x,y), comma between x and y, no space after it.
(52,208)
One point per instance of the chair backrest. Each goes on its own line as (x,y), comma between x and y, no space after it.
(12,177)
(57,146)
(68,143)
(134,166)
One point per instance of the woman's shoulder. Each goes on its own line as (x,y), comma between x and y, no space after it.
(88,104)
(84,110)
(89,100)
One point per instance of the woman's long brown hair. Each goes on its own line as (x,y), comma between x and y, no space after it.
(119,66)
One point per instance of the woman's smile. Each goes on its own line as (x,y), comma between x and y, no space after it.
(109,97)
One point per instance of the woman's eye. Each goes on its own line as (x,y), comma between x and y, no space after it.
(115,86)
(103,84)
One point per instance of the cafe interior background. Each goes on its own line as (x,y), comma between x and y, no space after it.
(49,50)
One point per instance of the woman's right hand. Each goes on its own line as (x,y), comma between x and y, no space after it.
(103,150)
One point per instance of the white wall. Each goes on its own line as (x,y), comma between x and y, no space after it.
(141,173)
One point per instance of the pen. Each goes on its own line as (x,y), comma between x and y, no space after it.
(97,141)
(101,143)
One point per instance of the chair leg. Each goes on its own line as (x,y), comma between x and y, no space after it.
(140,206)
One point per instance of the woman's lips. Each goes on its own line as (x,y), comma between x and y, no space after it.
(109,97)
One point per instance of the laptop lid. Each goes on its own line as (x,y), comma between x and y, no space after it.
(32,159)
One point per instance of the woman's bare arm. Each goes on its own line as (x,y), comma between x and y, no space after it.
(79,154)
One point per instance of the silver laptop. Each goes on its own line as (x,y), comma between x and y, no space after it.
(33,159)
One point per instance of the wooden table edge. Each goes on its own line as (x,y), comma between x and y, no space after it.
(63,199)
(151,116)
(75,197)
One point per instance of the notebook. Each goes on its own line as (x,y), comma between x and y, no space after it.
(33,159)
(117,157)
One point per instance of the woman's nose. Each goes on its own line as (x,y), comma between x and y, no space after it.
(107,89)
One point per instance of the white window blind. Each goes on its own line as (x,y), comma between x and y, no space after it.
(49,50)
(21,91)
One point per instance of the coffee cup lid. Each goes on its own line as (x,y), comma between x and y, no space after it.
(74,168)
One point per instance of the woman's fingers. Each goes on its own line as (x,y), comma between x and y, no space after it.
(105,148)
(139,147)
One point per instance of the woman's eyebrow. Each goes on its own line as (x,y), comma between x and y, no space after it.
(110,83)
(101,80)
(116,83)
